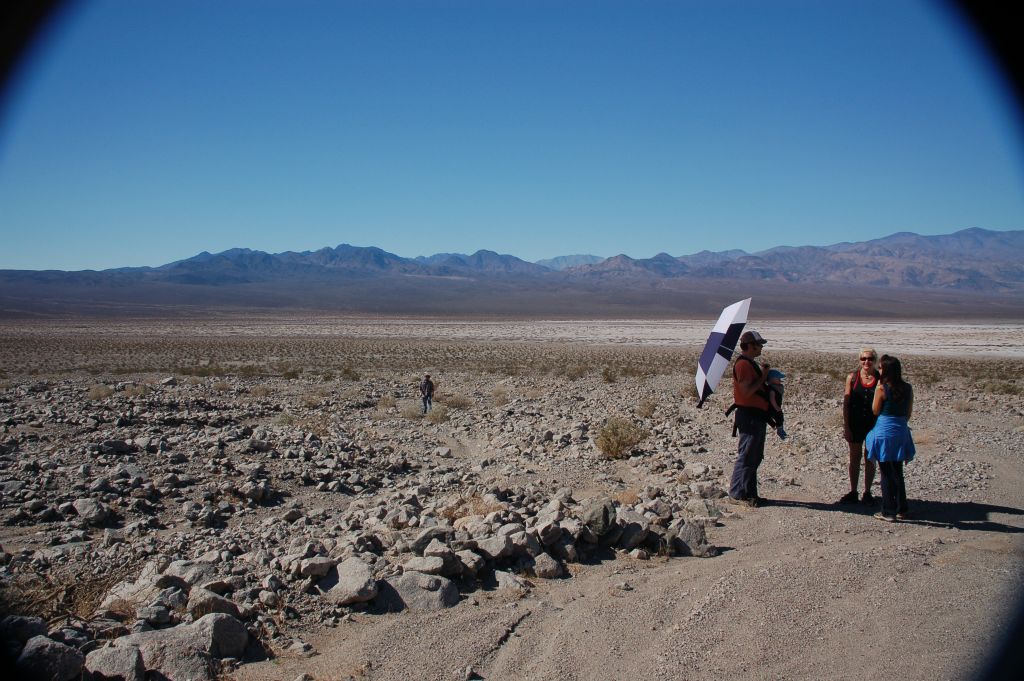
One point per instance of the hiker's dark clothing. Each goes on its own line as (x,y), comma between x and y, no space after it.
(857,414)
(427,391)
(894,489)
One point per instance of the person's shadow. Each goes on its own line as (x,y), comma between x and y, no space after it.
(963,515)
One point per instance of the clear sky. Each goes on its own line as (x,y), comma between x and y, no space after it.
(145,131)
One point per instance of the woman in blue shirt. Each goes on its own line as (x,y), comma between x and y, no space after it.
(890,442)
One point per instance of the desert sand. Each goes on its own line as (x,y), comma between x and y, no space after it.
(800,589)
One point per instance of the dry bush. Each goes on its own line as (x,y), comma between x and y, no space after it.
(221,387)
(471,505)
(261,391)
(349,373)
(609,374)
(284,420)
(136,390)
(386,402)
(438,414)
(645,409)
(626,497)
(961,406)
(499,396)
(575,371)
(56,595)
(535,393)
(411,410)
(99,392)
(457,401)
(1001,388)
(6,385)
(618,437)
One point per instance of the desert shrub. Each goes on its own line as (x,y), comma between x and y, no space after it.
(349,373)
(290,374)
(6,385)
(284,420)
(626,497)
(249,370)
(386,402)
(457,401)
(221,386)
(609,374)
(411,410)
(99,392)
(438,414)
(535,393)
(618,437)
(575,371)
(136,390)
(961,406)
(471,505)
(261,391)
(645,409)
(206,371)
(1001,388)
(499,395)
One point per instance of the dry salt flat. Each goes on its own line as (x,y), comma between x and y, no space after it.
(213,487)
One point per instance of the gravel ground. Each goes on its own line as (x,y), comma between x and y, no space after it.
(322,447)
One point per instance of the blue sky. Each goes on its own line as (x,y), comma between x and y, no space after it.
(142,132)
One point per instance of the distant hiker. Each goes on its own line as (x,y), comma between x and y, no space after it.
(776,390)
(858,419)
(752,413)
(890,442)
(427,392)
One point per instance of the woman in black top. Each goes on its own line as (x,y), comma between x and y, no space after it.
(857,421)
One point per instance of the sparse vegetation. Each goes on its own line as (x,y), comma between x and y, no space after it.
(221,387)
(609,374)
(99,392)
(645,409)
(456,401)
(499,396)
(411,410)
(439,414)
(618,437)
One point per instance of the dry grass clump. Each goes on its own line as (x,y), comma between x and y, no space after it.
(261,391)
(471,505)
(618,437)
(350,373)
(535,393)
(438,414)
(386,402)
(99,392)
(609,374)
(645,409)
(456,401)
(626,497)
(221,387)
(57,595)
(1002,387)
(137,390)
(961,406)
(499,396)
(411,410)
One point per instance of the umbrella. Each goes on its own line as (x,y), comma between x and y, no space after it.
(720,347)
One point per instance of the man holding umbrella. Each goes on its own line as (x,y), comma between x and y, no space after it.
(750,397)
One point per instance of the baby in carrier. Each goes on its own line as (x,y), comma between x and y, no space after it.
(776,389)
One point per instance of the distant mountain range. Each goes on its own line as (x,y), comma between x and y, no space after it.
(973,272)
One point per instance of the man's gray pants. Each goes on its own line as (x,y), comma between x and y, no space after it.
(749,456)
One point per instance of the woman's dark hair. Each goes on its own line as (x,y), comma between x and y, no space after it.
(892,376)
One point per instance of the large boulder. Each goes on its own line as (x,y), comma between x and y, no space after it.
(21,629)
(186,651)
(597,514)
(92,512)
(546,567)
(355,583)
(203,602)
(43,659)
(689,539)
(417,592)
(112,662)
(634,528)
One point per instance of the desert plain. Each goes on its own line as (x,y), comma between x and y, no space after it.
(263,499)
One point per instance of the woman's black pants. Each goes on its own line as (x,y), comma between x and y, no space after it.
(894,491)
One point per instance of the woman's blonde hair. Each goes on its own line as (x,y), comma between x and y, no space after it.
(871,351)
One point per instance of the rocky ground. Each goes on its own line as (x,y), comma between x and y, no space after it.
(262,506)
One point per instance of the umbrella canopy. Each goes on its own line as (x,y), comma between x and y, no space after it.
(720,347)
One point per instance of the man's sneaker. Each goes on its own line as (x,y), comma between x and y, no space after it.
(750,503)
(867,498)
(782,433)
(886,518)
(848,498)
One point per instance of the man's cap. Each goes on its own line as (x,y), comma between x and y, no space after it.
(752,337)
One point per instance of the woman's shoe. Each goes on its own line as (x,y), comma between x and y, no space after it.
(848,498)
(886,518)
(867,498)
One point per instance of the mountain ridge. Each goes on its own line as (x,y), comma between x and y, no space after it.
(961,268)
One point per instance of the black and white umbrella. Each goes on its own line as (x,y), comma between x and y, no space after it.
(720,347)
